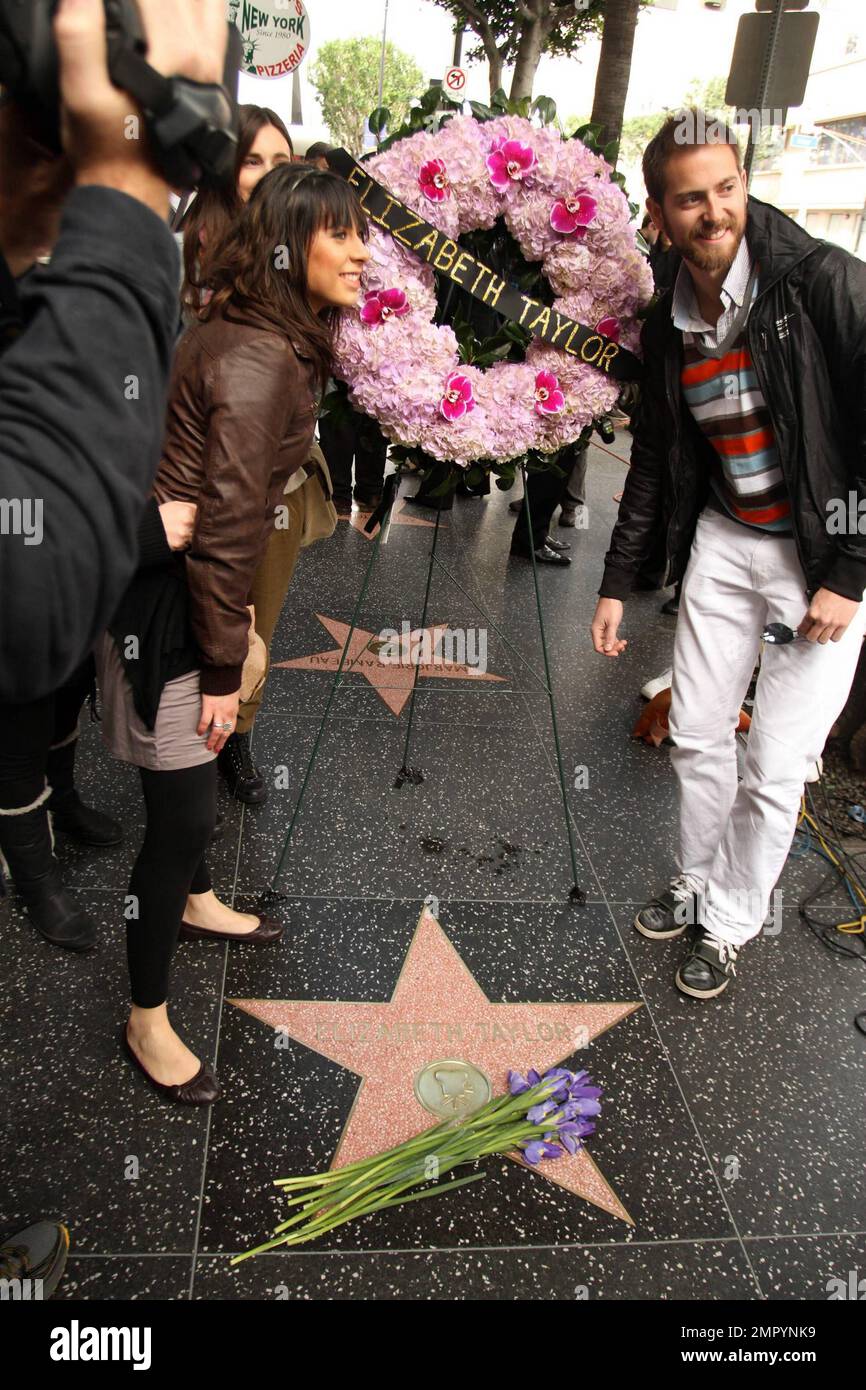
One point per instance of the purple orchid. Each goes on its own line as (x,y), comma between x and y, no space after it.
(433,180)
(458,398)
(572,216)
(380,305)
(508,162)
(549,400)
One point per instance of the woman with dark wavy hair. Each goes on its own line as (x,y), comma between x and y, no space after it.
(242,408)
(264,143)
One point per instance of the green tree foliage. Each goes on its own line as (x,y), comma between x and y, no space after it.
(520,31)
(345,75)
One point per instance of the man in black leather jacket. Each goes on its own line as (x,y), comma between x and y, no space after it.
(747,472)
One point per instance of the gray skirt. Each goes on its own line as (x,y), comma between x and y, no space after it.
(173,742)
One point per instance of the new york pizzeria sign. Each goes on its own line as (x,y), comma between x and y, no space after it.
(276,35)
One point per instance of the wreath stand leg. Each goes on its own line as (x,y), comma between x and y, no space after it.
(576,894)
(272,894)
(407,773)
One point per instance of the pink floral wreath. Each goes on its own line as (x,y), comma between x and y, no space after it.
(559,203)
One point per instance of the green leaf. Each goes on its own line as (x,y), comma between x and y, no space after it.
(500,98)
(431,99)
(546,109)
(379,119)
(610,150)
(481,112)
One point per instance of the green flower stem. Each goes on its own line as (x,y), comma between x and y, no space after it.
(499,1106)
(466,1147)
(358,1205)
(362,1163)
(320,1218)
(331,1199)
(300,1237)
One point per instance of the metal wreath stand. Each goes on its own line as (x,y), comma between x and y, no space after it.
(381,517)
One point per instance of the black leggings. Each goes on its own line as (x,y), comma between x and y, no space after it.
(28,731)
(181,814)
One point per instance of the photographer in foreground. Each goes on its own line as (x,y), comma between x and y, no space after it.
(83,380)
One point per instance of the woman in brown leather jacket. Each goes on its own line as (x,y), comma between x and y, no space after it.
(242,408)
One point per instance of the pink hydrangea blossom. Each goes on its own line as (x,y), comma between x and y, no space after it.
(573,215)
(380,305)
(509,162)
(458,397)
(433,178)
(549,400)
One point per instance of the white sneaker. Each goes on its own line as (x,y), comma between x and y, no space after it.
(661,682)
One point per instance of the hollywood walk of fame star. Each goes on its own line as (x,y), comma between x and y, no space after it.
(437,1012)
(359,520)
(392,681)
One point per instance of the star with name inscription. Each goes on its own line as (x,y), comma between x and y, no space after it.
(399,517)
(392,680)
(438,1011)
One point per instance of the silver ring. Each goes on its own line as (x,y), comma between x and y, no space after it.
(223,726)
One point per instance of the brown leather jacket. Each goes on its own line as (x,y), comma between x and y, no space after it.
(242,409)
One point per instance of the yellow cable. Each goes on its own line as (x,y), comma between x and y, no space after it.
(850,927)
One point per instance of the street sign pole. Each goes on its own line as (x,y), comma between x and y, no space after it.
(766,74)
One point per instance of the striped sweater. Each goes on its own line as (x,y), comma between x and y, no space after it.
(725,399)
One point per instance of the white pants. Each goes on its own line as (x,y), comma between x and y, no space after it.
(734,838)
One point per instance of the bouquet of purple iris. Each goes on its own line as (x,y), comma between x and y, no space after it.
(541,1117)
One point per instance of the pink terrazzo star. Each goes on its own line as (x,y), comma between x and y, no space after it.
(392,681)
(359,520)
(439,1012)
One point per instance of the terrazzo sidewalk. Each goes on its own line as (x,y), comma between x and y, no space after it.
(728,1160)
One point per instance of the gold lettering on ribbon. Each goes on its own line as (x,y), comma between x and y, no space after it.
(495,289)
(382,219)
(398,232)
(527,305)
(544,319)
(584,349)
(483,270)
(463,261)
(561,326)
(607,356)
(448,249)
(430,242)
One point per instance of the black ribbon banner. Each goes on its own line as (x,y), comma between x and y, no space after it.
(448,258)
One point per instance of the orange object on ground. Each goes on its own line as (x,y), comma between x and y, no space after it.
(653,727)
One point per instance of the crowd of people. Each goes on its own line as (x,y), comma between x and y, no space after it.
(161,572)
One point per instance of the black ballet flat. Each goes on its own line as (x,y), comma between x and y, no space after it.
(269,929)
(201,1089)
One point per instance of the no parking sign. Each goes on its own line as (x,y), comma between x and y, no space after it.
(276,35)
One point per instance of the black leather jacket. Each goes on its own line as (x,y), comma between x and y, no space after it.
(807,336)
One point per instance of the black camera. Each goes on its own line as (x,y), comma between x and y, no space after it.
(192,125)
